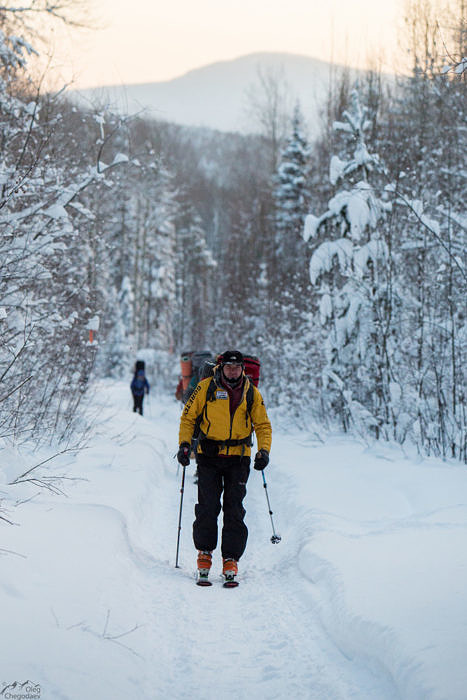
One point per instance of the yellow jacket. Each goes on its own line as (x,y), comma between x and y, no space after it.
(218,424)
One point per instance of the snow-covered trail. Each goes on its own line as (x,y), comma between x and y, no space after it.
(262,639)
(96,609)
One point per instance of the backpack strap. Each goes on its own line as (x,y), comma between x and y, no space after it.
(250,397)
(210,396)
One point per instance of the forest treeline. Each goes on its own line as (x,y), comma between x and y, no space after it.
(340,261)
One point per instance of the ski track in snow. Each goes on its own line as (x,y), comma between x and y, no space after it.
(111,548)
(257,640)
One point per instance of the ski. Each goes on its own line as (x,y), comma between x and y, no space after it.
(230,583)
(202,579)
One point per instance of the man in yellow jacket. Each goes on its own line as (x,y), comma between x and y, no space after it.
(225,409)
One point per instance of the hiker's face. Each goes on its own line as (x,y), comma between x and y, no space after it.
(232,371)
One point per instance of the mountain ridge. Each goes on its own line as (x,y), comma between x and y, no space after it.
(261,55)
(215,95)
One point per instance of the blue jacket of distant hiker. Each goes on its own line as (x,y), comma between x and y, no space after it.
(140,384)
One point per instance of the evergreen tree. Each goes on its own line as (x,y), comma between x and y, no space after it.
(196,268)
(350,265)
(427,172)
(291,197)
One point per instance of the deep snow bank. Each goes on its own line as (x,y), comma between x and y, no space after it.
(384,549)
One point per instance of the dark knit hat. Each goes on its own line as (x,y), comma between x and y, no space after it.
(232,357)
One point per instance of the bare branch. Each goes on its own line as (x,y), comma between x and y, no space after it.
(16,554)
(4,398)
(75,448)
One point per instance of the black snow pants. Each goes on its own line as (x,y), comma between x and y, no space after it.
(217,475)
(138,403)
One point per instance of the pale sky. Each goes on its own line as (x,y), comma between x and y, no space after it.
(152,40)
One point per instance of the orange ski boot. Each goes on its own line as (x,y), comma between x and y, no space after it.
(229,571)
(204,562)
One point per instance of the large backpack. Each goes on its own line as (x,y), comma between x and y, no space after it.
(252,368)
(186,367)
(198,360)
(193,370)
(252,371)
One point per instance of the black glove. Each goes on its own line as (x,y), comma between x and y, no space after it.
(261,460)
(183,454)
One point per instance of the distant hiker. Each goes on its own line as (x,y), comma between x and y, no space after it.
(139,386)
(225,408)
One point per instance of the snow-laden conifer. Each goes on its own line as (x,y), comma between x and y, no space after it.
(348,267)
(291,195)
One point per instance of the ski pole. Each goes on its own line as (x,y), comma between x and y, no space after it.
(275,537)
(182,488)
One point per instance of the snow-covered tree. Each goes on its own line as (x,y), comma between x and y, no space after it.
(118,349)
(45,293)
(349,268)
(291,197)
(196,267)
(428,175)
